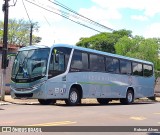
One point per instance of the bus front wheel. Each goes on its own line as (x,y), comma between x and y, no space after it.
(74,97)
(129,98)
(46,101)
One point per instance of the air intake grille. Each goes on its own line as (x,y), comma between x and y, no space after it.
(24,95)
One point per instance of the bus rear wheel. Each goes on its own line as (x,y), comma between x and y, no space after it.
(46,101)
(129,98)
(103,101)
(74,97)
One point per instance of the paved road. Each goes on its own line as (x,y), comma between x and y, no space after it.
(114,114)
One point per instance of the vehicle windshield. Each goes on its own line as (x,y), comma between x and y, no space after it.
(30,64)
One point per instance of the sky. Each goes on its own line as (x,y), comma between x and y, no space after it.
(142,17)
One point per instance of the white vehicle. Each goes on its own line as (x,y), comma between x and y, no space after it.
(70,73)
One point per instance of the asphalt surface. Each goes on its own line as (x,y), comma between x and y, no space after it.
(9,100)
(28,112)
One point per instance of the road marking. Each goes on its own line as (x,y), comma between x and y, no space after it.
(138,118)
(54,123)
(158,113)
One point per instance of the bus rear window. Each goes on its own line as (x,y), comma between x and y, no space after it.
(147,70)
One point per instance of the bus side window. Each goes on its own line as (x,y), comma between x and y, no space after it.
(85,61)
(59,61)
(97,63)
(93,62)
(112,65)
(147,70)
(79,61)
(137,69)
(125,67)
(76,60)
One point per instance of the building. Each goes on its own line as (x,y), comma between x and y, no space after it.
(12,49)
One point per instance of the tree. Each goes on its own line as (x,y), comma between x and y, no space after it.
(19,32)
(122,33)
(139,47)
(104,41)
(1,35)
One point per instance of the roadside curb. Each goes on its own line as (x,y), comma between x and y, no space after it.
(19,103)
(9,101)
(5,103)
(22,103)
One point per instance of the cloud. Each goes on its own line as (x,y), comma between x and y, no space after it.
(152,30)
(97,13)
(139,17)
(35,13)
(70,33)
(100,15)
(150,7)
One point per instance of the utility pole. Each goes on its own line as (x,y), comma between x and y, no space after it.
(31,30)
(5,8)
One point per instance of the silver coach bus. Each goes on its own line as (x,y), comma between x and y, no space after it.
(70,73)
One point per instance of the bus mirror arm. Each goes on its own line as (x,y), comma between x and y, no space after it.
(7,62)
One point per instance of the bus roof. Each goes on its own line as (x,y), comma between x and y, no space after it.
(84,49)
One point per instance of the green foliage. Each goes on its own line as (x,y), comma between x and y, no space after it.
(103,41)
(122,42)
(1,32)
(122,33)
(19,32)
(157,74)
(139,47)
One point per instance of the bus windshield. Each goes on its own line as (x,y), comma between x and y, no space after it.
(30,64)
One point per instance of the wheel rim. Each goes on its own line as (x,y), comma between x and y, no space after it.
(130,97)
(73,97)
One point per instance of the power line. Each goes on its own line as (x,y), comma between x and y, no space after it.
(46,20)
(26,11)
(63,16)
(14,3)
(31,28)
(67,8)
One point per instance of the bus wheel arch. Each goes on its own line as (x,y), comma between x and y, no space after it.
(129,97)
(75,95)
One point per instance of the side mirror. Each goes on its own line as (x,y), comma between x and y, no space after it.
(9,58)
(56,58)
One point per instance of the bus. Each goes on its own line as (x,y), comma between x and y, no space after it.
(71,73)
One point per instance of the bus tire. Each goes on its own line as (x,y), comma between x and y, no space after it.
(45,101)
(74,97)
(103,101)
(129,98)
